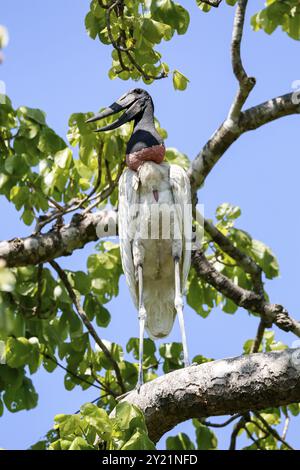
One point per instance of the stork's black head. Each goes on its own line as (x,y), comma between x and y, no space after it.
(134,102)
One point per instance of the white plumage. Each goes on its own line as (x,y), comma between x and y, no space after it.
(138,208)
(155,253)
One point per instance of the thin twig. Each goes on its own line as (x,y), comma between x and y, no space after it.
(117,7)
(103,385)
(70,372)
(238,426)
(221,425)
(106,192)
(93,401)
(272,430)
(87,322)
(255,441)
(259,336)
(266,433)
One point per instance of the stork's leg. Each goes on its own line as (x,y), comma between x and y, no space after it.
(179,310)
(142,319)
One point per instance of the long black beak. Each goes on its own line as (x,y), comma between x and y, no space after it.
(128,102)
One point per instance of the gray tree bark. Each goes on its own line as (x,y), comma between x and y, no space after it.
(222,387)
(40,248)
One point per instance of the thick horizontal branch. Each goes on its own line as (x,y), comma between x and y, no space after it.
(58,242)
(227,386)
(270,313)
(229,132)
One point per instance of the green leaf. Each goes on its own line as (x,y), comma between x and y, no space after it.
(172,354)
(80,444)
(179,442)
(98,419)
(28,216)
(63,158)
(248,346)
(128,416)
(82,282)
(24,398)
(7,280)
(265,258)
(175,157)
(21,351)
(201,297)
(180,81)
(155,31)
(279,13)
(294,408)
(93,308)
(49,142)
(203,6)
(31,113)
(149,347)
(199,359)
(68,425)
(95,22)
(139,441)
(228,306)
(227,211)
(206,439)
(19,195)
(171,13)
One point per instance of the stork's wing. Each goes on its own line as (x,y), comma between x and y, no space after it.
(128,199)
(181,189)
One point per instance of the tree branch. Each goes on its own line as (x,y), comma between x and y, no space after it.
(246,83)
(220,425)
(272,430)
(270,313)
(236,429)
(41,248)
(88,324)
(234,385)
(212,3)
(259,335)
(242,259)
(228,133)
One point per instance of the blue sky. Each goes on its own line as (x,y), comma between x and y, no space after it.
(52,64)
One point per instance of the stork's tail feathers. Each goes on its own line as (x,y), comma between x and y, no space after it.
(160,310)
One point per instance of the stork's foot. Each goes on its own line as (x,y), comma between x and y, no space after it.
(135,389)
